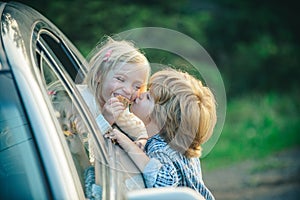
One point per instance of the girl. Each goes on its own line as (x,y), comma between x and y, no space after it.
(117,68)
(179,114)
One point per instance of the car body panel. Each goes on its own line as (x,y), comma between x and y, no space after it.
(24,35)
(35,154)
(17,46)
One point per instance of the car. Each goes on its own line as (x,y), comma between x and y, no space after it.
(46,126)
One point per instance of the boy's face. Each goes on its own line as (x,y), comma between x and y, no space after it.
(125,80)
(143,106)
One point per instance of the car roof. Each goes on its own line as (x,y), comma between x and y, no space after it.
(18,24)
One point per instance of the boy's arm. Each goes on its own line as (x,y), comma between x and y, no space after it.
(135,153)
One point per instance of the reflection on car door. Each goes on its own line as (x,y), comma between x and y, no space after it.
(21,170)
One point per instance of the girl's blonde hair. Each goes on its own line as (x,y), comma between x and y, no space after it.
(184,110)
(107,56)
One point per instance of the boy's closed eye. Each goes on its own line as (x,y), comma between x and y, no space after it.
(137,87)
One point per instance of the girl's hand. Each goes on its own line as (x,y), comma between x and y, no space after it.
(112,110)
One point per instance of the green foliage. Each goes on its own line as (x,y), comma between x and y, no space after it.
(255,44)
(256,126)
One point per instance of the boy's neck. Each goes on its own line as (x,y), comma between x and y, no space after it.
(152,129)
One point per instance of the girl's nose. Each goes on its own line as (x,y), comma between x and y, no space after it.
(128,90)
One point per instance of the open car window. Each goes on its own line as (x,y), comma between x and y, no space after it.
(58,71)
(74,129)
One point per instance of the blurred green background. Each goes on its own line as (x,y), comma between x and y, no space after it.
(255,45)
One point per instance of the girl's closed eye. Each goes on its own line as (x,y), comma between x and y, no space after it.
(119,78)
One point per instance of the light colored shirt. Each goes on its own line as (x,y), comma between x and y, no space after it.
(168,167)
(90,100)
(103,125)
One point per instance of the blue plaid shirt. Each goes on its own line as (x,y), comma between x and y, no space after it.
(168,167)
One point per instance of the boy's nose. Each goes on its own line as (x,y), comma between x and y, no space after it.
(142,95)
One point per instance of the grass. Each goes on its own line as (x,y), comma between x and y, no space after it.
(256,126)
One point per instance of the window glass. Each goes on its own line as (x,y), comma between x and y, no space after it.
(65,56)
(21,174)
(123,173)
(65,105)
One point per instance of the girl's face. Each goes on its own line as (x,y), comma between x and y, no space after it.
(126,80)
(143,106)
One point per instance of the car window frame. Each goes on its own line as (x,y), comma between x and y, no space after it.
(15,37)
(69,83)
(81,106)
(111,151)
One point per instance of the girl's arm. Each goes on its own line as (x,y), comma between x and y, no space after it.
(134,152)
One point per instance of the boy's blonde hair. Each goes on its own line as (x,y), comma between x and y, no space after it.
(107,56)
(184,110)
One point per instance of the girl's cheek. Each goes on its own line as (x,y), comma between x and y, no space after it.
(113,86)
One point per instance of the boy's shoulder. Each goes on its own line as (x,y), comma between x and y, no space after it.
(154,143)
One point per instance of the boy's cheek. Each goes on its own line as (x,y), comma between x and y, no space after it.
(135,95)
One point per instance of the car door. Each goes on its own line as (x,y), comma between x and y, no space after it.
(113,167)
(40,155)
(41,68)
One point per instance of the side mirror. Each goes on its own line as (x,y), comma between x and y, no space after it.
(164,193)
